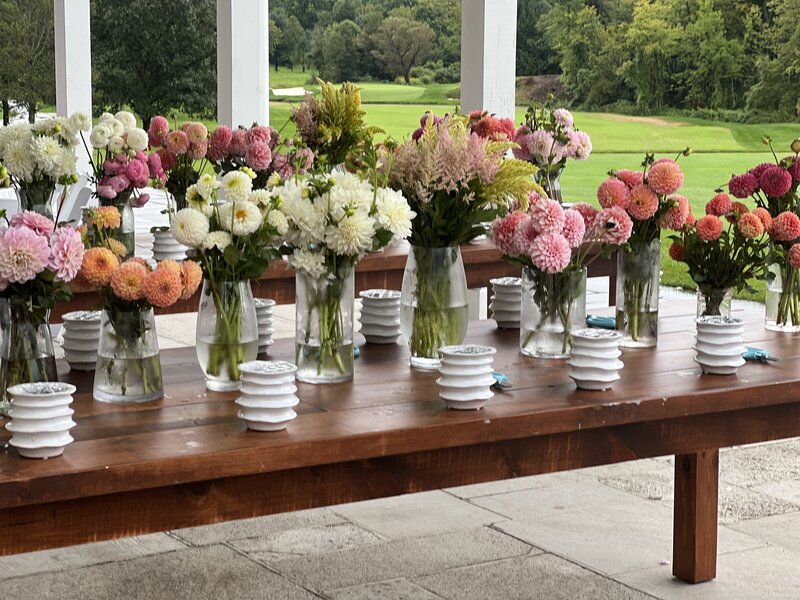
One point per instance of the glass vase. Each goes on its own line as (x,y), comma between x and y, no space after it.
(782,310)
(324,327)
(553,306)
(128,361)
(434,306)
(26,347)
(550,180)
(227,332)
(638,275)
(715,301)
(37,196)
(126,231)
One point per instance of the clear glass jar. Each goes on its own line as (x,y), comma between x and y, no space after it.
(434,308)
(550,180)
(126,233)
(553,306)
(128,360)
(227,332)
(638,277)
(324,327)
(714,302)
(38,197)
(26,347)
(782,310)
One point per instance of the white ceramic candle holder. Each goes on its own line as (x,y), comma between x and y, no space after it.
(166,247)
(594,358)
(41,418)
(266,322)
(81,337)
(466,376)
(267,394)
(719,344)
(380,316)
(506,303)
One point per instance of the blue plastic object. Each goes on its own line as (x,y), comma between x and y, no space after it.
(758,354)
(500,380)
(601,322)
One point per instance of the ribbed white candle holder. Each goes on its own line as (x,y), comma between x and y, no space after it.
(266,322)
(466,376)
(594,358)
(81,337)
(505,307)
(267,394)
(41,418)
(380,316)
(719,344)
(166,247)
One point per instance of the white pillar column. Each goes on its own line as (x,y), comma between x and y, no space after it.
(488,56)
(242,62)
(73,62)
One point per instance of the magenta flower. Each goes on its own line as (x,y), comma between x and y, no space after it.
(220,142)
(742,186)
(106,192)
(119,183)
(66,253)
(154,165)
(139,200)
(775,181)
(158,130)
(23,254)
(34,221)
(136,170)
(550,252)
(258,155)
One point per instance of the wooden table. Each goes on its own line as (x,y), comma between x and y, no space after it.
(482,262)
(187,460)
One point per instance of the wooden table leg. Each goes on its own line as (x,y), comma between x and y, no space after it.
(694,545)
(612,290)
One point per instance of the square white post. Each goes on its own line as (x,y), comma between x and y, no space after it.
(488,56)
(73,62)
(242,62)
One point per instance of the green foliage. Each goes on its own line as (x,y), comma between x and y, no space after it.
(401,43)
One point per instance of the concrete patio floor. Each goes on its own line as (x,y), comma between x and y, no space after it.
(599,533)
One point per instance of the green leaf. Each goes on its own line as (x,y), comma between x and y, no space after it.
(231,255)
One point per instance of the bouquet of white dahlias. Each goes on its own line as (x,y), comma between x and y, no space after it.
(38,156)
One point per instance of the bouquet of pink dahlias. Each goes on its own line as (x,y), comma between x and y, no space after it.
(181,155)
(261,149)
(552,245)
(37,261)
(774,187)
(724,249)
(549,138)
(650,198)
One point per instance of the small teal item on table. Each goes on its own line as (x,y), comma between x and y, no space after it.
(758,354)
(500,381)
(601,322)
(356,352)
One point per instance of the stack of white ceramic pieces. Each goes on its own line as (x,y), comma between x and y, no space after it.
(81,337)
(380,316)
(166,247)
(594,358)
(266,324)
(506,301)
(719,344)
(267,394)
(466,376)
(41,418)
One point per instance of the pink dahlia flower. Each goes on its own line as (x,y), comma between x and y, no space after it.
(197,133)
(177,142)
(137,170)
(785,227)
(563,117)
(587,211)
(198,151)
(158,130)
(167,159)
(106,192)
(759,169)
(612,226)
(580,145)
(613,192)
(794,256)
(547,216)
(541,145)
(524,235)
(23,254)
(750,226)
(524,139)
(154,165)
(737,210)
(238,145)
(34,221)
(550,252)
(793,165)
(503,230)
(665,177)
(743,186)
(675,217)
(574,227)
(119,183)
(763,214)
(631,178)
(775,181)
(644,202)
(676,251)
(709,228)
(220,142)
(66,253)
(258,156)
(720,205)
(259,133)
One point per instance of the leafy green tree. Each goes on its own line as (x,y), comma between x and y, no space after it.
(154,56)
(535,55)
(402,43)
(334,54)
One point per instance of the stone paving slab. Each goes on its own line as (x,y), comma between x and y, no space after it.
(396,589)
(768,573)
(542,577)
(71,557)
(415,515)
(399,559)
(193,574)
(779,530)
(517,484)
(309,540)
